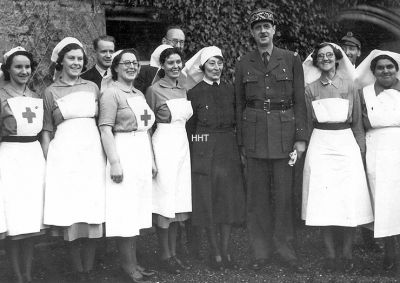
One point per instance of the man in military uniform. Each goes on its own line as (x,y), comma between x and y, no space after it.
(271,120)
(351,46)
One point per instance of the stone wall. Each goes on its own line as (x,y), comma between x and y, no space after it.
(38,25)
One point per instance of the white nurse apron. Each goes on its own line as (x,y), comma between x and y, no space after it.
(383,158)
(128,204)
(75,174)
(22,169)
(335,190)
(172,185)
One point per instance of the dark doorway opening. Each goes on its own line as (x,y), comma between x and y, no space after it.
(139,28)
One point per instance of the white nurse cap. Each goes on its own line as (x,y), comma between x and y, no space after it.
(61,45)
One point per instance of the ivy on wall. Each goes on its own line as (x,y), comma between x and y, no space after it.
(224,23)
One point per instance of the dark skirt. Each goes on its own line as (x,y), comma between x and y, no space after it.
(217,183)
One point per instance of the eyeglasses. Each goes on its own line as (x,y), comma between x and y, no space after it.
(176,42)
(127,64)
(328,55)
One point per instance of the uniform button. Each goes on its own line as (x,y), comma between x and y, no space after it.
(267,87)
(266,75)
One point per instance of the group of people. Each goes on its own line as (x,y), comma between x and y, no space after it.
(123,147)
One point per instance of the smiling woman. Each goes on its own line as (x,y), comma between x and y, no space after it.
(172,186)
(21,199)
(381,117)
(124,121)
(75,185)
(335,191)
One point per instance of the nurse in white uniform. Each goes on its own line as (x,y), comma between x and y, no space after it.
(172,198)
(22,164)
(335,191)
(75,172)
(378,75)
(124,121)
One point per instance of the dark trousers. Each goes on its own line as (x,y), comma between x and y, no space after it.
(269,207)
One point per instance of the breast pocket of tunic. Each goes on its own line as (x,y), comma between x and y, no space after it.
(284,82)
(252,85)
(288,129)
(249,122)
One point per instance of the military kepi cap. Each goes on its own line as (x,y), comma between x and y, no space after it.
(260,15)
(350,40)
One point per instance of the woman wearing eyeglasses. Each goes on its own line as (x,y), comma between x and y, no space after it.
(335,192)
(124,121)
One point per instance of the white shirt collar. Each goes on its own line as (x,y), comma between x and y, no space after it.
(100,70)
(210,82)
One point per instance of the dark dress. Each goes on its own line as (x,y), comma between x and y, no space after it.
(217,182)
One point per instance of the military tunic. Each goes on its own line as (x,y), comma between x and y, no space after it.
(268,137)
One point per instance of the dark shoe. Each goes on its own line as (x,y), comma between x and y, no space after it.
(293,265)
(171,266)
(348,265)
(389,264)
(329,265)
(146,272)
(136,277)
(181,264)
(259,264)
(216,265)
(229,263)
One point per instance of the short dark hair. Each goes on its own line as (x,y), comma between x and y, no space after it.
(67,48)
(7,65)
(104,38)
(314,55)
(168,52)
(381,57)
(202,66)
(117,60)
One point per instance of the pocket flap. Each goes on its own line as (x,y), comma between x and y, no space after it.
(284,77)
(287,116)
(250,115)
(250,78)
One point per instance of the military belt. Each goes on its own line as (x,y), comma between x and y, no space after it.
(267,105)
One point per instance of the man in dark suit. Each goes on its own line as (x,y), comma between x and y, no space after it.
(104,47)
(271,123)
(175,37)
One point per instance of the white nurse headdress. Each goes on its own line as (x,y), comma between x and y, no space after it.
(364,75)
(12,51)
(155,56)
(61,45)
(312,73)
(192,70)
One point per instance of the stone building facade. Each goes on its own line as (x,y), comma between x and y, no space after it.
(38,25)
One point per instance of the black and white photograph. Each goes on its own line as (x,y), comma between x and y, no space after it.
(154,141)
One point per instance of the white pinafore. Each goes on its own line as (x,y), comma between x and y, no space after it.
(128,204)
(75,175)
(22,169)
(172,185)
(335,190)
(383,162)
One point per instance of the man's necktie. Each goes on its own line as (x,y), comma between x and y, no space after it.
(265,58)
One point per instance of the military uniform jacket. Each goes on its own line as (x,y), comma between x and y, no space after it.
(263,133)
